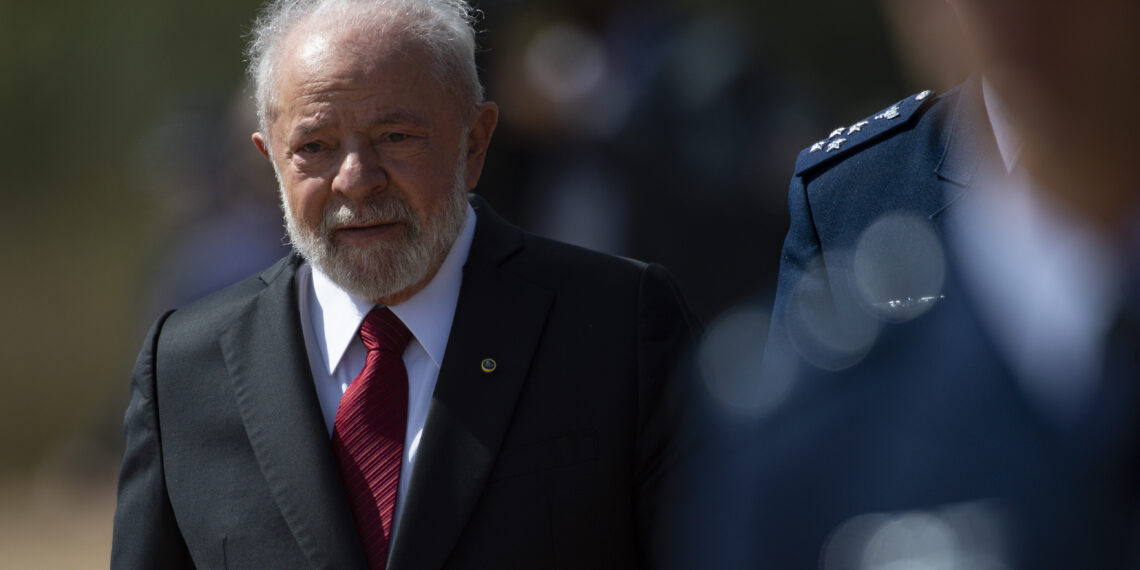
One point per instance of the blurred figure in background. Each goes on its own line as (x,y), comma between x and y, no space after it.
(952,374)
(928,42)
(652,130)
(214,201)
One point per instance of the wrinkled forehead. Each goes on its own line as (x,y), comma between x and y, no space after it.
(344,47)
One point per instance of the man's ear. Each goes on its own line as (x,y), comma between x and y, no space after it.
(478,139)
(261,143)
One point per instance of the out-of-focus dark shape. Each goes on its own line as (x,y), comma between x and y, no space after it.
(954,338)
(212,196)
(1068,72)
(928,42)
(654,130)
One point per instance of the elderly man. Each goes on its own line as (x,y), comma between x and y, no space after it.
(421,385)
(955,338)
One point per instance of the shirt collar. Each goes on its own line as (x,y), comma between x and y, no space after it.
(337,314)
(1007,136)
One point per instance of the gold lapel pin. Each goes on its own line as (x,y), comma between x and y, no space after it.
(489,365)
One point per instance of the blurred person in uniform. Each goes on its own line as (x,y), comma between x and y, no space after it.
(955,333)
(420,384)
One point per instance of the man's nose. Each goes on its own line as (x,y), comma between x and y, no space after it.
(361,174)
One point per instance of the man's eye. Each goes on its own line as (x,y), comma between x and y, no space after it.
(397,137)
(312,147)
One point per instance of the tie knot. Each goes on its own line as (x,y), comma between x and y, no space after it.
(383,330)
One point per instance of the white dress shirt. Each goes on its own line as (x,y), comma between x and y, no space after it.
(1047,285)
(330,321)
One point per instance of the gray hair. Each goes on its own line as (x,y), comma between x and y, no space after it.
(445,27)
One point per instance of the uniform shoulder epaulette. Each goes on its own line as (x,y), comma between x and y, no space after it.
(843,140)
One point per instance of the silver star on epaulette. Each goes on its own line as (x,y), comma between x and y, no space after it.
(817,146)
(835,144)
(836,132)
(923,95)
(892,113)
(857,127)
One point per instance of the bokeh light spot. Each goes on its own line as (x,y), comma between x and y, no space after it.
(899,267)
(731,357)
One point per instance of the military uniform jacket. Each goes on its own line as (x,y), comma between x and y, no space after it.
(895,403)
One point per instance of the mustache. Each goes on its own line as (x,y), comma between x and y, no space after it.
(380,210)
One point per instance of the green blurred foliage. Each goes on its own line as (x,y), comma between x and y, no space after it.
(81,82)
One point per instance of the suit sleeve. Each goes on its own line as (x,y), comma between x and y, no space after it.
(667,331)
(802,282)
(146,533)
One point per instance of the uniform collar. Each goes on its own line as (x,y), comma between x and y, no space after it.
(1007,136)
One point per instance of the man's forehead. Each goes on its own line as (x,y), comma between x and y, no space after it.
(320,47)
(312,49)
(320,60)
(326,61)
(326,34)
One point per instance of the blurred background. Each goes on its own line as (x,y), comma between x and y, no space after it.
(661,130)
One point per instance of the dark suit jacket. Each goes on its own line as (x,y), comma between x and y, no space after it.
(908,407)
(554,460)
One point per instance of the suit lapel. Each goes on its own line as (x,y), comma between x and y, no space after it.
(499,316)
(265,353)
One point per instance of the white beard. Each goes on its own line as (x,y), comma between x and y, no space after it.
(385,268)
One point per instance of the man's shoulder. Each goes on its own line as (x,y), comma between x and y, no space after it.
(573,272)
(541,259)
(602,287)
(562,262)
(567,253)
(877,141)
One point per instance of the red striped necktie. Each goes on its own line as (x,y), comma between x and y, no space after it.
(368,433)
